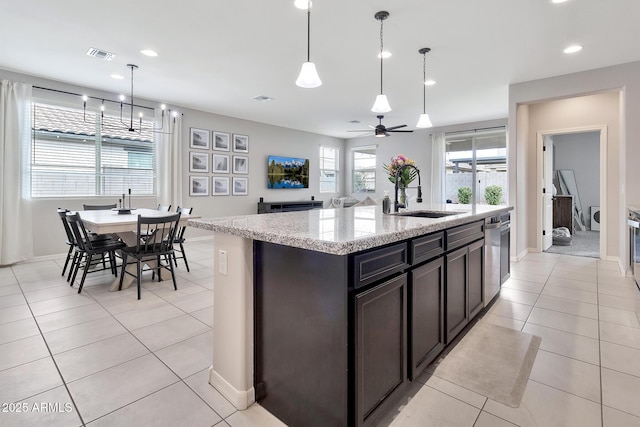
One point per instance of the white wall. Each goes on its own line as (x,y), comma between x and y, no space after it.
(625,81)
(580,152)
(263,140)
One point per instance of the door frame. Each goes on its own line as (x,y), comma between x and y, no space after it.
(603,181)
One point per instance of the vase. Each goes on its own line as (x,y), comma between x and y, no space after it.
(403,199)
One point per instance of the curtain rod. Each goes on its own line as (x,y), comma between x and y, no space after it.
(91,97)
(476,130)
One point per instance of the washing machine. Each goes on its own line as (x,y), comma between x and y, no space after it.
(595,218)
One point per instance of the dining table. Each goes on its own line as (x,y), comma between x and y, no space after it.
(125,226)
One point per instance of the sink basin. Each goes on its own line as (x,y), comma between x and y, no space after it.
(428,214)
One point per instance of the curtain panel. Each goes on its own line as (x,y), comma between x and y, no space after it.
(437,167)
(16,236)
(169,161)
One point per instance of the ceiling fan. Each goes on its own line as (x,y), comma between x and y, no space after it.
(381,130)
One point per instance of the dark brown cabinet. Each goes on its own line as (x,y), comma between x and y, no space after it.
(464,287)
(426,315)
(380,347)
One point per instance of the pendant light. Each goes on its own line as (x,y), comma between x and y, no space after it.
(424,121)
(382,104)
(308,77)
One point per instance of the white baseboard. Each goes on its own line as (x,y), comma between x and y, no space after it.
(519,256)
(240,399)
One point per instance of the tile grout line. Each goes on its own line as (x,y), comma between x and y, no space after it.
(64,383)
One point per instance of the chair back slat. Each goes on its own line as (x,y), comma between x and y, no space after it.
(181,230)
(99,207)
(63,216)
(79,232)
(164,208)
(156,234)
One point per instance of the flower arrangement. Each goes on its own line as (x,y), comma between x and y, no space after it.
(406,176)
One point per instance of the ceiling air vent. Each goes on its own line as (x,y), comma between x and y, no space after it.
(101,54)
(262,98)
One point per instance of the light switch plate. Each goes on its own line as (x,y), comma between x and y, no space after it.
(222,261)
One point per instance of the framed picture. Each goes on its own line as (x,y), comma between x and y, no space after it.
(199,139)
(240,186)
(240,143)
(198,162)
(220,186)
(221,141)
(198,185)
(240,164)
(220,163)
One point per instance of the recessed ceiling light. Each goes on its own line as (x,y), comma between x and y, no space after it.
(573,48)
(558,1)
(302,4)
(149,52)
(385,54)
(429,82)
(355,122)
(117,76)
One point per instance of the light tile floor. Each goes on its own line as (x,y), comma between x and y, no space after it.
(106,359)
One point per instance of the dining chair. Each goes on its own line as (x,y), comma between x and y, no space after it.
(86,207)
(179,239)
(157,245)
(71,241)
(164,208)
(85,250)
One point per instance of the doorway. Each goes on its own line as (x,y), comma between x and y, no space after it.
(572,199)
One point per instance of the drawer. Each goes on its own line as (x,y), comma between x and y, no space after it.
(427,247)
(378,264)
(457,237)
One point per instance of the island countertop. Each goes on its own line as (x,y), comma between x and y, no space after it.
(345,230)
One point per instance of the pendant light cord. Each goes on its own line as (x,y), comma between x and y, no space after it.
(309,31)
(381,49)
(424,79)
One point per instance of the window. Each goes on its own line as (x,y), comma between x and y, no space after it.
(329,169)
(72,154)
(364,169)
(474,161)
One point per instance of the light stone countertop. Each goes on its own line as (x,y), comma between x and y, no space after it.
(343,231)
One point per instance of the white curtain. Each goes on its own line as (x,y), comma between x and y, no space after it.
(437,168)
(16,237)
(169,158)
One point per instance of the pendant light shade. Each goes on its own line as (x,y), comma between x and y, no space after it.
(424,121)
(382,104)
(308,77)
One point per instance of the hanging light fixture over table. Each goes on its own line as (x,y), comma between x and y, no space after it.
(424,121)
(308,77)
(129,126)
(382,104)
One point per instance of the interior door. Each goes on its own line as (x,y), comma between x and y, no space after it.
(547,194)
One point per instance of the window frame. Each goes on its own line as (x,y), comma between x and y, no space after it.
(99,141)
(335,171)
(369,149)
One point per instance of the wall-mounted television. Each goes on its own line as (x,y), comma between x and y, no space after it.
(287,172)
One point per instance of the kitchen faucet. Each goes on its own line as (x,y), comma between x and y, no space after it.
(396,204)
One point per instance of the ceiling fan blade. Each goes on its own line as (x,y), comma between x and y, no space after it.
(361,130)
(399,131)
(396,127)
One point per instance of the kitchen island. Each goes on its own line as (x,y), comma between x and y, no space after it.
(324,316)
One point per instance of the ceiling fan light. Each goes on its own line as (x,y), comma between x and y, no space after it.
(379,133)
(424,121)
(308,77)
(381,105)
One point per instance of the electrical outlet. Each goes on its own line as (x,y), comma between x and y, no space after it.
(222,262)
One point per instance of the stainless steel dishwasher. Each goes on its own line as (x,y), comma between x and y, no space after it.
(492,237)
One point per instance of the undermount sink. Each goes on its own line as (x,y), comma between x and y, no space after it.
(428,214)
